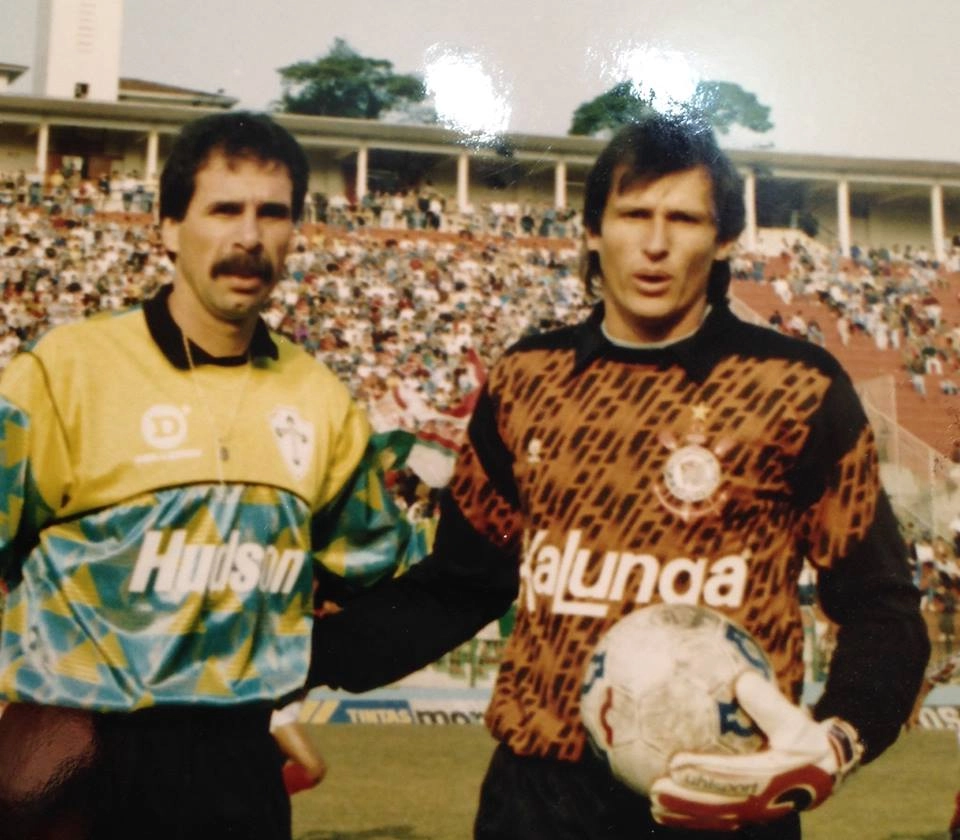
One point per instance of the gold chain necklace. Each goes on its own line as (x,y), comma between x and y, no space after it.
(220,438)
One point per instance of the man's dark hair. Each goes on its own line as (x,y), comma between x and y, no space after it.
(650,148)
(235,134)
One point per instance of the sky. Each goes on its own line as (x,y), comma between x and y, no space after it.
(846,77)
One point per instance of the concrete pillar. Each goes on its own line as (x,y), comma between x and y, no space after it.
(936,217)
(463,182)
(843,216)
(361,185)
(560,185)
(750,203)
(43,146)
(153,144)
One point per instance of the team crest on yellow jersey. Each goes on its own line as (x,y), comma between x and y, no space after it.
(294,437)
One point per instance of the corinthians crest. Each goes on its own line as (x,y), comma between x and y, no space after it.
(692,475)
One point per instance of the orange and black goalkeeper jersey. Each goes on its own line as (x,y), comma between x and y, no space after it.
(703,472)
(602,479)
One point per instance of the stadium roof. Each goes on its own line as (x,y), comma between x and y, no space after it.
(143,91)
(887,170)
(165,108)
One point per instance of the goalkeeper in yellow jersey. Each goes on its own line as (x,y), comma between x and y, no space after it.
(174,476)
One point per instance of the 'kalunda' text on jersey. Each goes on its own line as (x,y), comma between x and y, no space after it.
(576,583)
(168,563)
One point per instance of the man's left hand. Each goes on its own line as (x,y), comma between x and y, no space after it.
(803,763)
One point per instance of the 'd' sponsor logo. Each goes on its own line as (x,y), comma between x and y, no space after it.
(164,426)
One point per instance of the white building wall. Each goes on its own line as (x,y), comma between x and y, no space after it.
(78,44)
(328,181)
(900,223)
(903,222)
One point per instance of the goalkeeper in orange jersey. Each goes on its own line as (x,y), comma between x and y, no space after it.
(662,450)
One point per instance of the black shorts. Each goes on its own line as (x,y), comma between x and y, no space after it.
(542,799)
(184,773)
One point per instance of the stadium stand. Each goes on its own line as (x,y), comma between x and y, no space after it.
(410,314)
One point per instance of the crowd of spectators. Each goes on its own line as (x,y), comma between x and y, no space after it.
(405,309)
(397,286)
(936,564)
(56,269)
(66,193)
(372,305)
(429,209)
(893,296)
(409,319)
(404,293)
(379,308)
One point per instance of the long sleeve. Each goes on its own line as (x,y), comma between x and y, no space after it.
(34,468)
(882,643)
(864,581)
(360,537)
(410,621)
(470,578)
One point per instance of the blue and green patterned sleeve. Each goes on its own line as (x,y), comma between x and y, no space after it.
(13,473)
(28,427)
(361,537)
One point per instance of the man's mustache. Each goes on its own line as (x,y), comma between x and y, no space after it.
(245,265)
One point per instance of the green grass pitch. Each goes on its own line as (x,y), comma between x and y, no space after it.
(396,782)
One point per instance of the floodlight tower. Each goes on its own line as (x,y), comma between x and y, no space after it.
(78,49)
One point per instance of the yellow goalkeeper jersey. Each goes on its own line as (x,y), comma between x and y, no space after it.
(145,565)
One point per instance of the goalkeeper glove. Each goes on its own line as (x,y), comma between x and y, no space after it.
(803,763)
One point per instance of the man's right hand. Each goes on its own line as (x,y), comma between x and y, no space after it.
(41,746)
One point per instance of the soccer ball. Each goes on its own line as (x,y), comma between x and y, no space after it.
(660,682)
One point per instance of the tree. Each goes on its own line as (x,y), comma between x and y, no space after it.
(344,83)
(726,104)
(608,111)
(722,104)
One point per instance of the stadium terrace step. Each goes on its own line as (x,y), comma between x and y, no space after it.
(934,418)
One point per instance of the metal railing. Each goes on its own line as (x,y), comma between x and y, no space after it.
(923,484)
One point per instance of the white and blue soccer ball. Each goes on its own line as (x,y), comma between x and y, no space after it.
(661,681)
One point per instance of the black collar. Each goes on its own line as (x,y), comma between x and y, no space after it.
(697,354)
(169,337)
